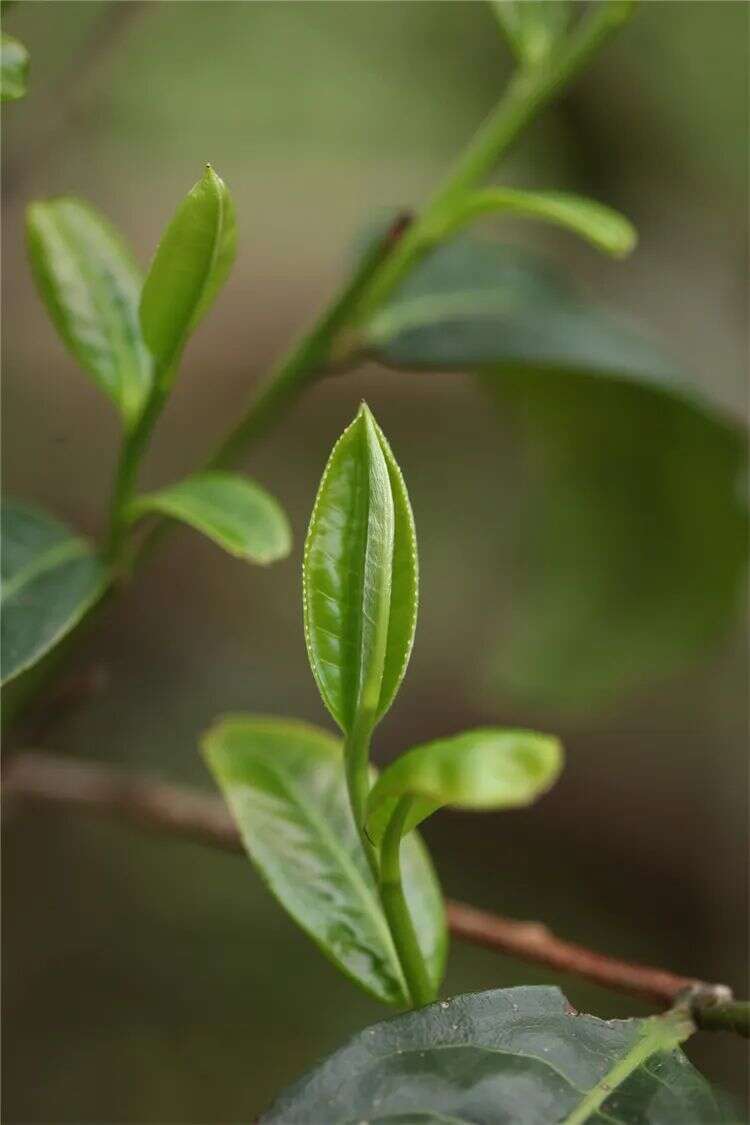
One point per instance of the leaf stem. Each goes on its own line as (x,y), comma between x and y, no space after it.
(397,910)
(126,475)
(357,764)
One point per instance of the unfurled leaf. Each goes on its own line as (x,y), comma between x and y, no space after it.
(91,287)
(633,545)
(360,576)
(14,68)
(191,264)
(50,577)
(235,512)
(601,226)
(515,1056)
(284,782)
(480,769)
(532,27)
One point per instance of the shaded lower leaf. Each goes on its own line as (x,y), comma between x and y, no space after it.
(284,782)
(231,510)
(50,577)
(517,1056)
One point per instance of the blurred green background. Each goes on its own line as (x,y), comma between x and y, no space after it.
(153,981)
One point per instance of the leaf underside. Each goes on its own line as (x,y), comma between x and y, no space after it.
(517,1056)
(233,511)
(50,577)
(284,783)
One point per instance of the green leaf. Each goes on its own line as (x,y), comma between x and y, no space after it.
(235,512)
(631,554)
(479,769)
(360,576)
(284,782)
(516,1056)
(604,228)
(632,548)
(191,264)
(14,68)
(91,287)
(50,577)
(532,27)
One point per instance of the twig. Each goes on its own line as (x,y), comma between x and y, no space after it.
(44,779)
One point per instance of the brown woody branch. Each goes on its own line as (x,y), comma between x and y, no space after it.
(43,779)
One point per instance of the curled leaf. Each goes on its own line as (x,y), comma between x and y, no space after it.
(360,576)
(485,768)
(192,262)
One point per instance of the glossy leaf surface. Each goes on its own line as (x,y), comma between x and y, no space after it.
(604,228)
(284,782)
(532,28)
(632,548)
(236,513)
(479,769)
(91,287)
(50,577)
(191,264)
(360,576)
(14,68)
(516,1056)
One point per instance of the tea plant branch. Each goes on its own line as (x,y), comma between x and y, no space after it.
(332,340)
(43,780)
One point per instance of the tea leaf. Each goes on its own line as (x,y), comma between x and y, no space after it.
(235,512)
(518,1056)
(91,287)
(479,769)
(604,228)
(360,576)
(532,27)
(50,577)
(284,782)
(14,68)
(192,262)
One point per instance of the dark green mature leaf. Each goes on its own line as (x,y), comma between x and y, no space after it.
(360,576)
(516,1056)
(479,769)
(532,27)
(284,782)
(14,68)
(633,543)
(232,510)
(633,539)
(91,287)
(191,264)
(50,577)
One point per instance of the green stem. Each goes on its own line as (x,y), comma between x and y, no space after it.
(126,476)
(529,90)
(397,910)
(357,759)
